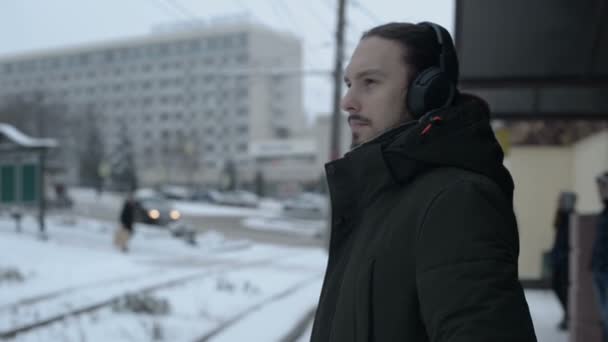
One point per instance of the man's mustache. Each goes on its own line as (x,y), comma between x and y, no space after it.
(358,118)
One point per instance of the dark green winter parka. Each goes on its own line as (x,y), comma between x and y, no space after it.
(424,241)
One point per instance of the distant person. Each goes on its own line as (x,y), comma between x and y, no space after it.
(599,260)
(99,188)
(424,241)
(61,195)
(127,217)
(560,254)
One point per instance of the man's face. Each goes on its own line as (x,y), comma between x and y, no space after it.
(377,84)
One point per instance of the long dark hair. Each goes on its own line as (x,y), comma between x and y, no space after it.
(420,46)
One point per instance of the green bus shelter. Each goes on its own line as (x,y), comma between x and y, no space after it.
(22,164)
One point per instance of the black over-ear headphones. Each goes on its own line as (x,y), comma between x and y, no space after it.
(435,87)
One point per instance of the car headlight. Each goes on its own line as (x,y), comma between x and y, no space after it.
(175,215)
(154,214)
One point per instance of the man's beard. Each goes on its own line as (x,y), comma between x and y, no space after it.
(356,139)
(355,142)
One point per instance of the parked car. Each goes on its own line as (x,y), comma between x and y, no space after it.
(175,192)
(209,196)
(147,192)
(241,198)
(306,205)
(155,210)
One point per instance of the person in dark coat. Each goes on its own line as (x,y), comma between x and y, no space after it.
(127,218)
(599,259)
(424,242)
(560,254)
(127,214)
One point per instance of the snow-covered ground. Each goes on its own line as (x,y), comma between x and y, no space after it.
(217,287)
(85,196)
(310,228)
(216,290)
(546,314)
(307,333)
(206,209)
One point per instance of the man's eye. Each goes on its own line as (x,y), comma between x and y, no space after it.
(368,81)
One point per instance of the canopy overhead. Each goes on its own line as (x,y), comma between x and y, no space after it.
(535,59)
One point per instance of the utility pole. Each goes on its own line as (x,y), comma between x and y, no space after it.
(334,151)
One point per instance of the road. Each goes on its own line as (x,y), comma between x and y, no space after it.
(231,226)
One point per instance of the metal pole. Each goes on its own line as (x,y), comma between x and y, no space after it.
(42,197)
(334,152)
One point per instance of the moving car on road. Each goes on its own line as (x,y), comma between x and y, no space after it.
(155,210)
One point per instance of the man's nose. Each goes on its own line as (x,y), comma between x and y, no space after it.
(349,103)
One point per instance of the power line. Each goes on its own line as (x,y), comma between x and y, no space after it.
(281,17)
(164,8)
(250,14)
(180,8)
(317,17)
(242,4)
(330,5)
(374,18)
(349,25)
(289,14)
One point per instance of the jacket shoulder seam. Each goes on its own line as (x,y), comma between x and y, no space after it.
(435,198)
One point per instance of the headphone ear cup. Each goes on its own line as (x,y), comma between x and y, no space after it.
(429,91)
(418,90)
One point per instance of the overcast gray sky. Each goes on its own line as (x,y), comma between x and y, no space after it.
(28,25)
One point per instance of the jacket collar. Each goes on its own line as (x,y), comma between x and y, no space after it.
(357,177)
(353,182)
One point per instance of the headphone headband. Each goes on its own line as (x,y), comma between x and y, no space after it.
(435,87)
(447,55)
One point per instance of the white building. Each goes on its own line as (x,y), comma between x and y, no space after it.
(188,101)
(286,165)
(321,132)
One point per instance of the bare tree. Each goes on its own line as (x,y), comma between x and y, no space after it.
(92,150)
(123,168)
(33,115)
(181,157)
(188,150)
(229,175)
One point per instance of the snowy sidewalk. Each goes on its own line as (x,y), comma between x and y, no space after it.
(546,314)
(204,286)
(238,291)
